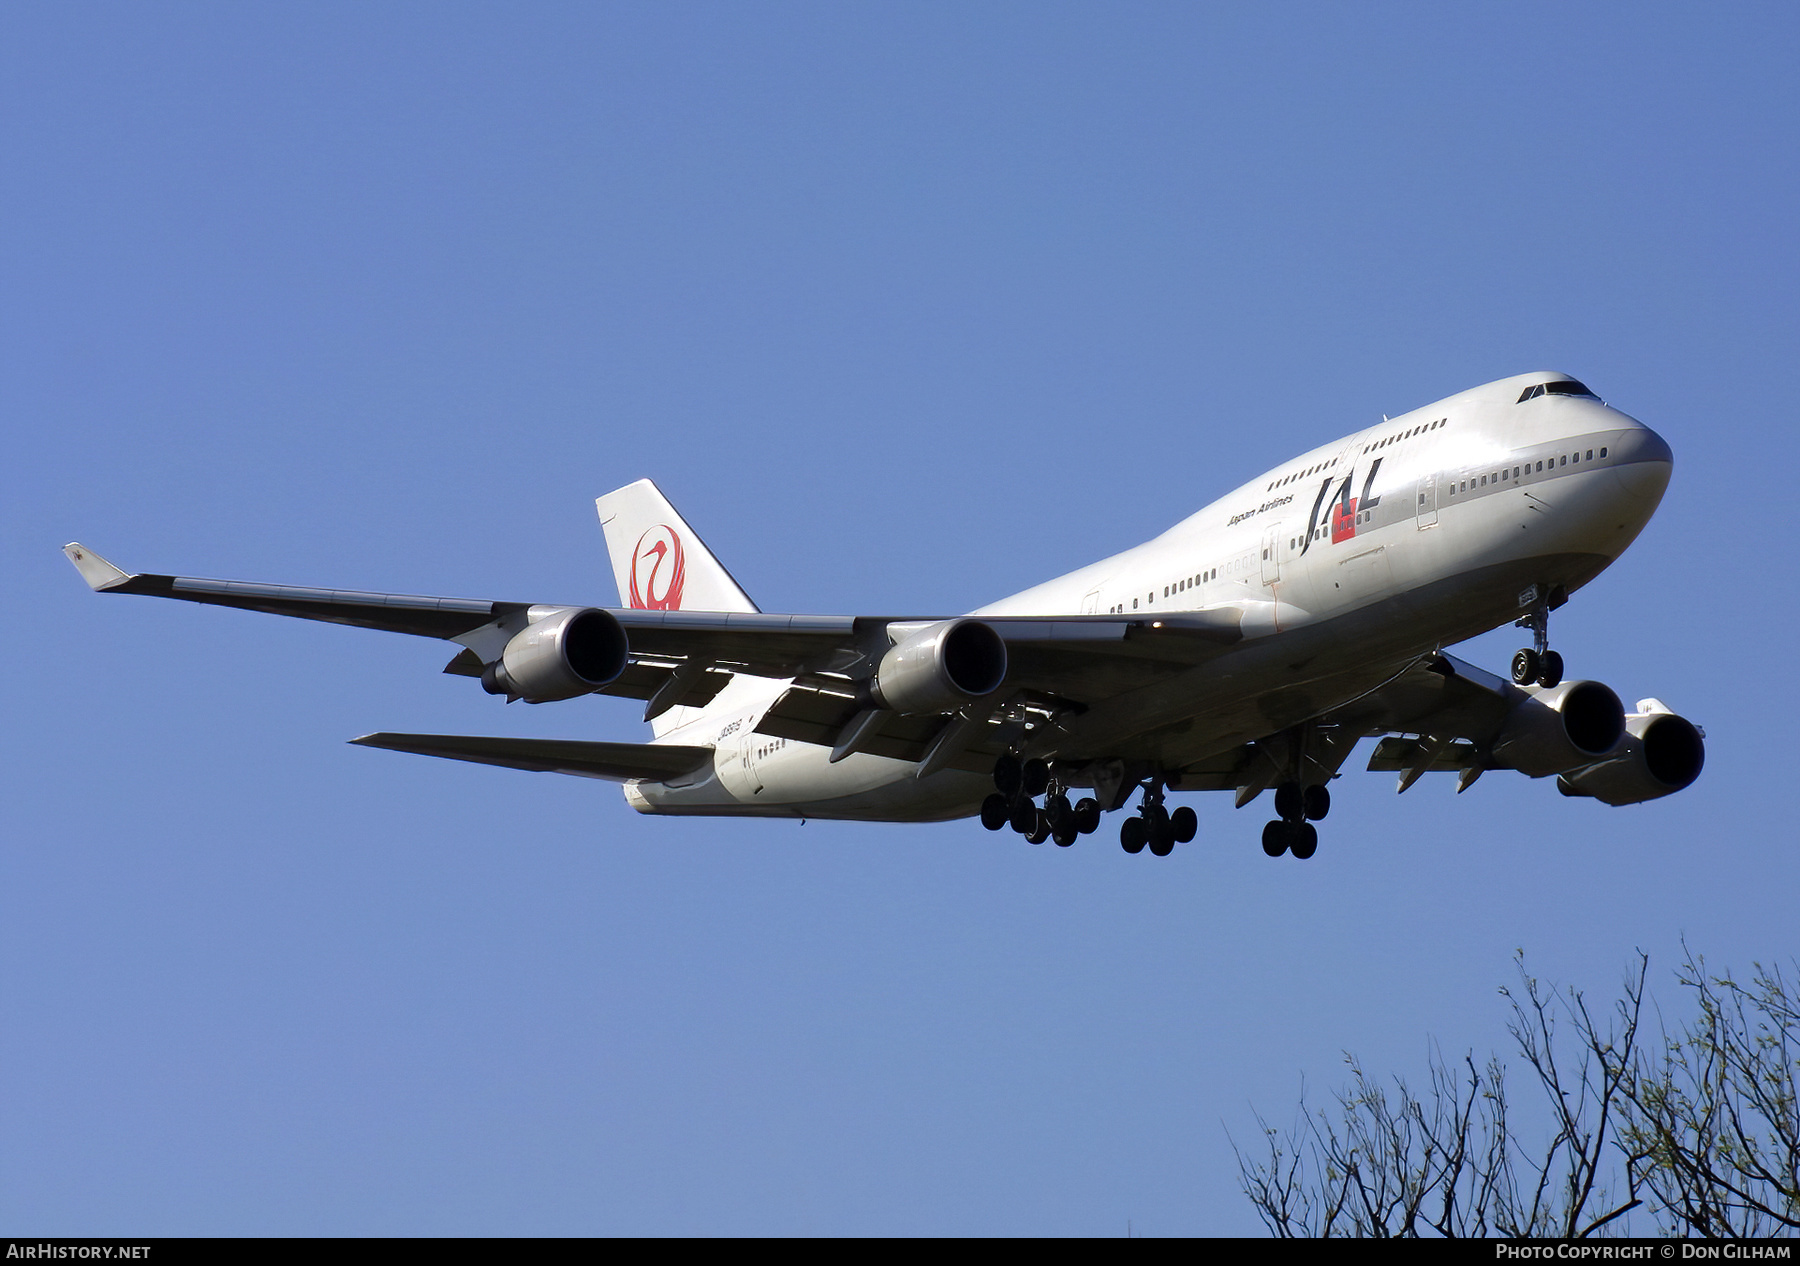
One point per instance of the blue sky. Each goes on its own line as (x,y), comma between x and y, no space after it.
(906,308)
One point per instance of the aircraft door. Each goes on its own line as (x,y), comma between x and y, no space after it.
(1427,502)
(1090,605)
(735,757)
(752,760)
(1271,557)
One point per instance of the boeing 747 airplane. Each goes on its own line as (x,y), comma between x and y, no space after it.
(1251,646)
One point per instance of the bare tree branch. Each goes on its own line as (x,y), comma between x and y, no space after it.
(1699,1134)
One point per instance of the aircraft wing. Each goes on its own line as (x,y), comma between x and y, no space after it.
(685,657)
(616,762)
(1434,713)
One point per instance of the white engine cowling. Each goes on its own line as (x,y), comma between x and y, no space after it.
(572,651)
(1662,753)
(941,667)
(1553,730)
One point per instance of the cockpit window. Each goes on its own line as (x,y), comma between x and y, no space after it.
(1568,387)
(1561,387)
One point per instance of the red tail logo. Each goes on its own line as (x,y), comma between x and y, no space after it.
(658,570)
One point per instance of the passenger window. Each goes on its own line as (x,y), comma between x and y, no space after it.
(1590,454)
(1603,452)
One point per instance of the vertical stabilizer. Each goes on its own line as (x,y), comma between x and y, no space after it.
(657,560)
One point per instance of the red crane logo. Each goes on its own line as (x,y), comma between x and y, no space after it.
(658,570)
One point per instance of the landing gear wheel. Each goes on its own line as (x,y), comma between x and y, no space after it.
(1289,804)
(1317,802)
(1007,776)
(1064,837)
(1087,815)
(1550,670)
(995,812)
(1160,832)
(1525,667)
(1062,817)
(1132,835)
(1305,839)
(1041,831)
(1037,777)
(1275,838)
(1185,823)
(1024,816)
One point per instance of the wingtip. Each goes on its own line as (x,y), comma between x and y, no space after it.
(98,573)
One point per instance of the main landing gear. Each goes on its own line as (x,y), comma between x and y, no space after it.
(1016,784)
(1294,832)
(1155,826)
(1538,663)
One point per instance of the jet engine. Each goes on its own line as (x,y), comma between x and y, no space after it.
(941,667)
(1661,754)
(1559,728)
(571,651)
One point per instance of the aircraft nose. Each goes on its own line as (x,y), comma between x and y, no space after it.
(1641,444)
(1643,463)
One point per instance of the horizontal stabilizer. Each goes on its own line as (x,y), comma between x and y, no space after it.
(618,762)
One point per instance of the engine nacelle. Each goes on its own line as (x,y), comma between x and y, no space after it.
(1662,753)
(572,651)
(1553,730)
(941,667)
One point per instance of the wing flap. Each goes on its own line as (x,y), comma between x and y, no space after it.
(1397,755)
(616,762)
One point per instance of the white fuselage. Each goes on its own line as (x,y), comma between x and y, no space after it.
(1378,547)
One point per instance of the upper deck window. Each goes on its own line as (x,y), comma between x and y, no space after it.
(1561,387)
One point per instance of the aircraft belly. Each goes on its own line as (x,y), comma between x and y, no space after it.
(881,790)
(939,798)
(1271,683)
(799,782)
